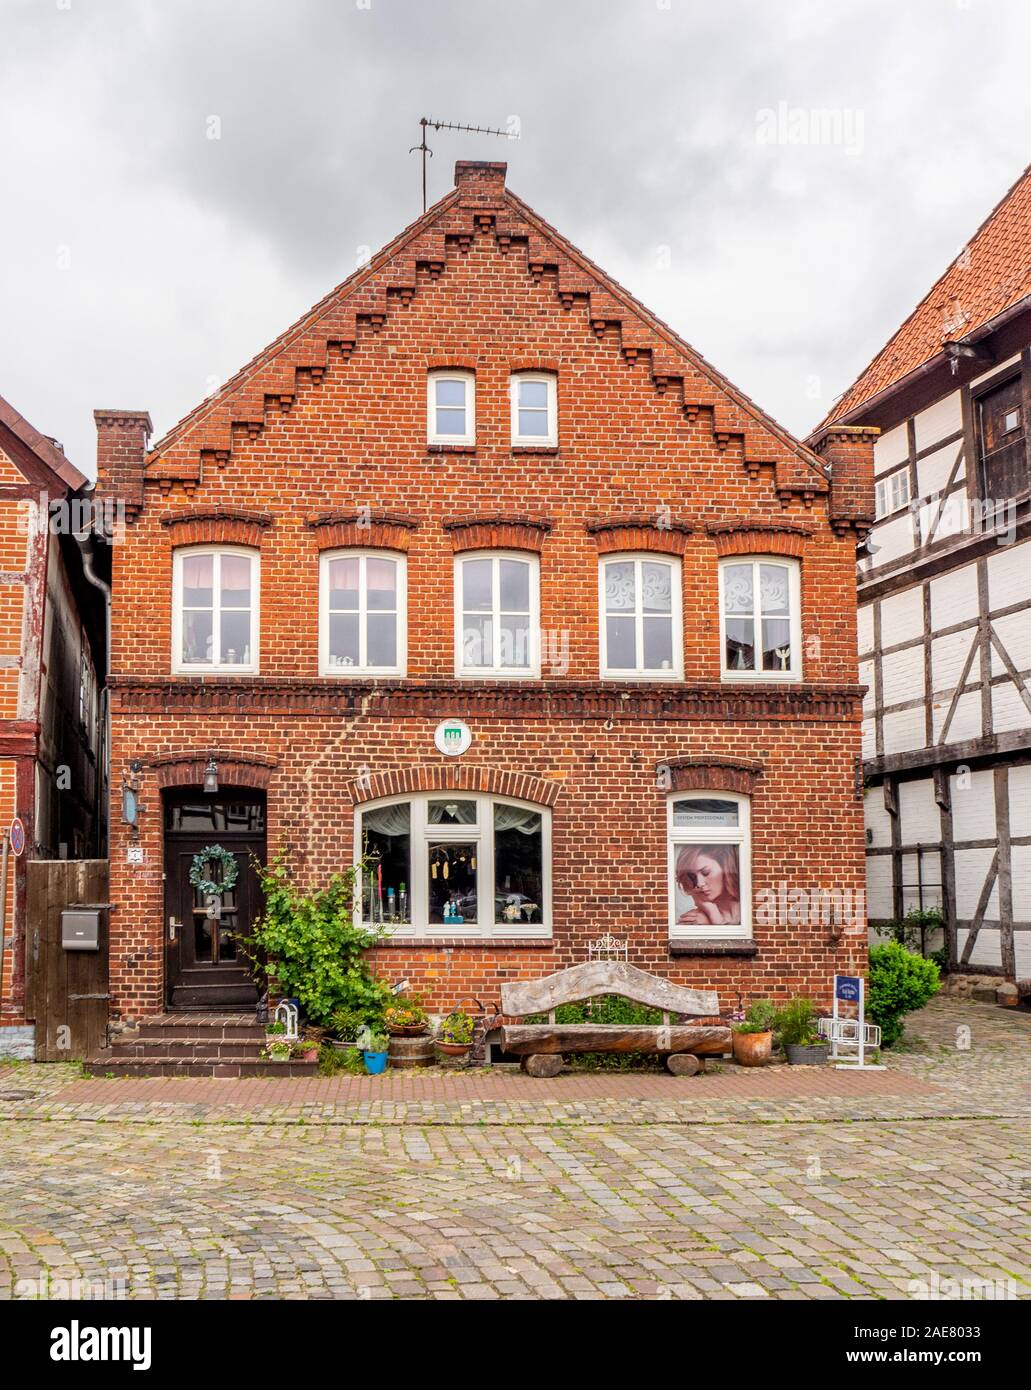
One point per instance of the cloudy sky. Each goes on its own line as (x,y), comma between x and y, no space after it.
(183,178)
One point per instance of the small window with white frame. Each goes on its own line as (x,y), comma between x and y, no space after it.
(215,610)
(451,407)
(534,409)
(892,494)
(454,864)
(641,630)
(760,618)
(497,614)
(362,613)
(710,888)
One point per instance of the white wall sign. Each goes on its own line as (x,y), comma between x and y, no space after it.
(134,854)
(452,737)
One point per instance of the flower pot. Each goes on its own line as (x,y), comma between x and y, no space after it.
(406,1030)
(807,1054)
(375,1062)
(310,1054)
(752,1049)
(278,1056)
(454,1049)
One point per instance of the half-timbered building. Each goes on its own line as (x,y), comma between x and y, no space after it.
(945,602)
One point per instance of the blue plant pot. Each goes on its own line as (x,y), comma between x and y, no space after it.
(375,1062)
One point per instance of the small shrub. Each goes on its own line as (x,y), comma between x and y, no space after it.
(795,1024)
(760,1017)
(900,982)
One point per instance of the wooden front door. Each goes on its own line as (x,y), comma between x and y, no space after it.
(206,968)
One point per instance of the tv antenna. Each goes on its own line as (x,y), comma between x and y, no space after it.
(427,123)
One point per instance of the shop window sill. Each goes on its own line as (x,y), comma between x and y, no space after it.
(721,947)
(462,943)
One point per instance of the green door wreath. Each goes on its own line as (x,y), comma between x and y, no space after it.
(199,871)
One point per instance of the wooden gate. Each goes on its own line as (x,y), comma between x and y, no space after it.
(66,991)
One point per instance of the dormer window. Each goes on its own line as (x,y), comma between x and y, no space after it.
(534,409)
(451,408)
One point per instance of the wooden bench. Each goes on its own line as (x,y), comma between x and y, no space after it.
(540,1046)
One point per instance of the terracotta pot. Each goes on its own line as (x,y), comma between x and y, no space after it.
(406,1030)
(454,1049)
(752,1049)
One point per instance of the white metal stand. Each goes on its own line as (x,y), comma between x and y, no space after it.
(851,1037)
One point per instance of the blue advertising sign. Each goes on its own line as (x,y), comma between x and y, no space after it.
(847,988)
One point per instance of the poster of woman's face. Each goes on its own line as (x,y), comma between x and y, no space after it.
(708,885)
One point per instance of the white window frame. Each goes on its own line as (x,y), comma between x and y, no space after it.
(640,672)
(448,374)
(794,671)
(237,668)
(891,494)
(549,440)
(741,836)
(363,669)
(533,670)
(422,834)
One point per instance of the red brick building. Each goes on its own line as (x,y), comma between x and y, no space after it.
(481,500)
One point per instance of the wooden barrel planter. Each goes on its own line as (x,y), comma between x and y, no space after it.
(407,1052)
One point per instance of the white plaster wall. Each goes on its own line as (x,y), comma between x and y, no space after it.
(938,421)
(891,448)
(902,616)
(954,597)
(973,806)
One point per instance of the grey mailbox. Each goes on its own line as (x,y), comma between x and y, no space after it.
(80,928)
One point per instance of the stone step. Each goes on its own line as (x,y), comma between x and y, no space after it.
(214,1048)
(201,1025)
(104,1064)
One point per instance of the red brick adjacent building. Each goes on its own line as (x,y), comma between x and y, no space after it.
(479,499)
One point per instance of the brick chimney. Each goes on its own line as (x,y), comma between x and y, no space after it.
(121,449)
(480,183)
(849,451)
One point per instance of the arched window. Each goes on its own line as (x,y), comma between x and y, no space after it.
(710,879)
(534,409)
(497,614)
(215,609)
(362,613)
(760,618)
(455,864)
(641,631)
(451,407)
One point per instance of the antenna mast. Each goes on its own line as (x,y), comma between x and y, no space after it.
(427,123)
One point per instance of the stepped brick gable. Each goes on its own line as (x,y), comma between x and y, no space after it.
(658,476)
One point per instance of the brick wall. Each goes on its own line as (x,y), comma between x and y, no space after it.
(633,446)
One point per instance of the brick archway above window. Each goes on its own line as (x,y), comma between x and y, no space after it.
(534,364)
(450,363)
(497,532)
(222,527)
(665,535)
(709,774)
(371,530)
(759,536)
(186,769)
(433,777)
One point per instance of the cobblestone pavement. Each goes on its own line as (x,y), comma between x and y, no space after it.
(492,1194)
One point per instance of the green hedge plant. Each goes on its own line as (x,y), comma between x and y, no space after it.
(900,981)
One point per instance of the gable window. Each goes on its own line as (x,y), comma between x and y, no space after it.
(760,619)
(641,623)
(451,408)
(215,610)
(497,614)
(534,409)
(892,494)
(710,893)
(462,864)
(361,613)
(1003,441)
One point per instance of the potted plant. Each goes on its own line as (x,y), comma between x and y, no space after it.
(406,1018)
(279,1050)
(753,1036)
(306,1050)
(374,1049)
(796,1030)
(455,1034)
